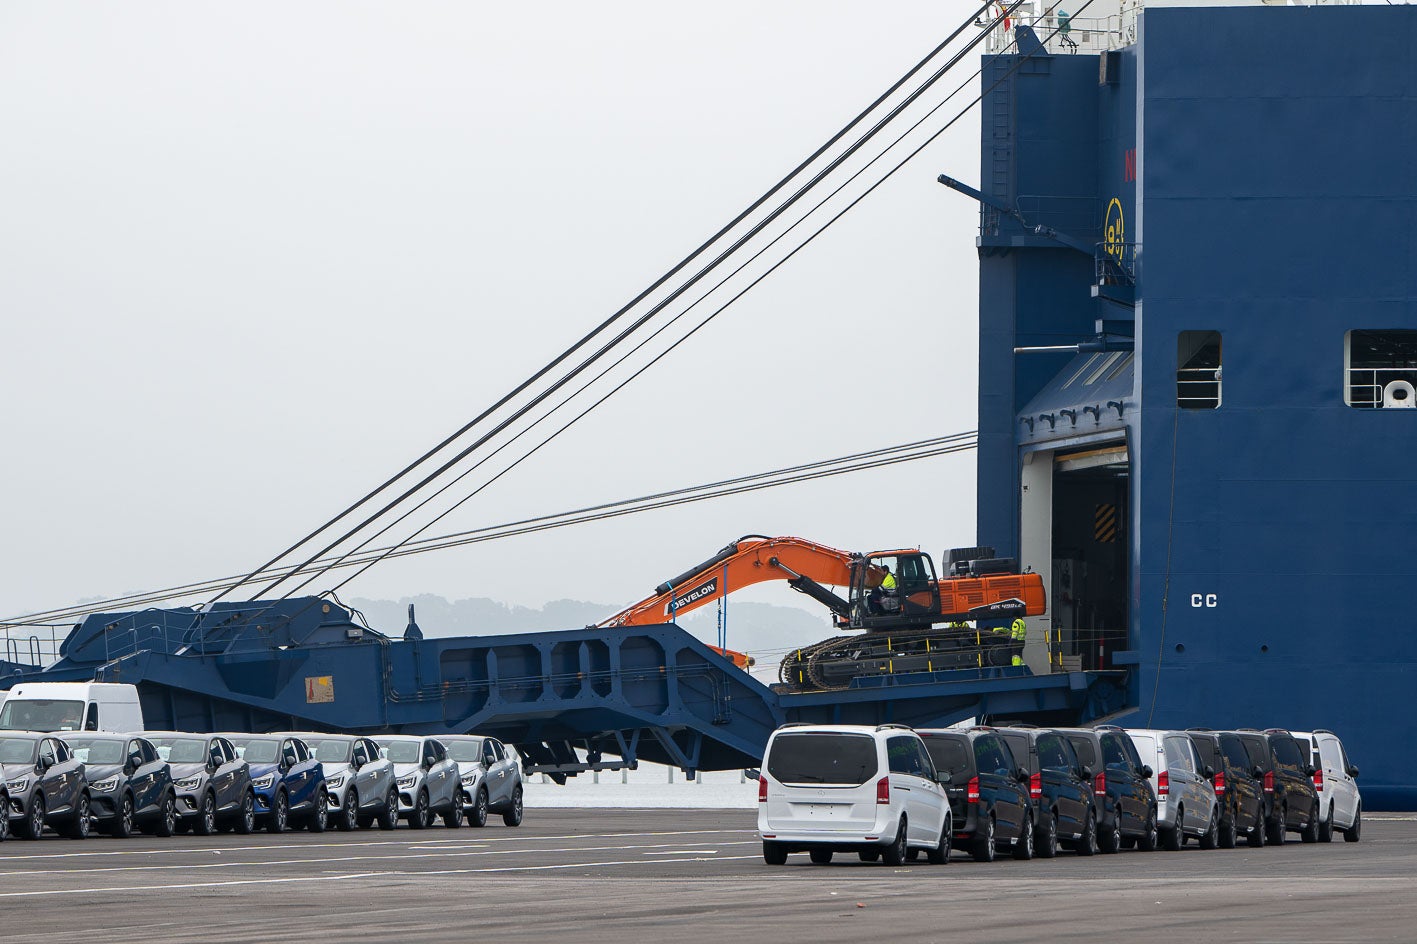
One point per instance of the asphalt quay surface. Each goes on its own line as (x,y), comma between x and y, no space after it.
(631,875)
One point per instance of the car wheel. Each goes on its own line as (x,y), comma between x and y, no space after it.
(81,825)
(389,815)
(349,812)
(1256,835)
(1326,827)
(4,816)
(418,818)
(1149,838)
(869,855)
(894,854)
(1211,837)
(983,848)
(32,826)
(1045,836)
(1355,832)
(166,823)
(206,816)
(1023,847)
(1087,843)
(1109,841)
(478,817)
(1274,828)
(940,855)
(453,818)
(820,856)
(246,816)
(1229,832)
(122,826)
(1173,839)
(1310,832)
(774,853)
(279,816)
(319,819)
(513,816)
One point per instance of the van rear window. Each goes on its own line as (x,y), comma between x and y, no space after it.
(823,758)
(1206,747)
(950,754)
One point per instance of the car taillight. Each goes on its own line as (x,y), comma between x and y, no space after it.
(1035,786)
(971,792)
(1269,781)
(1099,784)
(762,789)
(1318,778)
(1163,784)
(1219,781)
(883,790)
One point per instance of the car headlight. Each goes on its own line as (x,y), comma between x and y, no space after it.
(17,786)
(406,781)
(105,786)
(264,783)
(191,784)
(471,777)
(334,783)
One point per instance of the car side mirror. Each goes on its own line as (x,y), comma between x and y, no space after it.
(1209,771)
(1352,771)
(1085,772)
(1147,772)
(1308,770)
(1021,775)
(427,763)
(355,764)
(43,764)
(1258,772)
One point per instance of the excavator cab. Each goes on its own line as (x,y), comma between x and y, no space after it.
(893,589)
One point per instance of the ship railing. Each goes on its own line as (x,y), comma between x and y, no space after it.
(1366,385)
(1198,388)
(36,645)
(1116,263)
(1085,35)
(1083,649)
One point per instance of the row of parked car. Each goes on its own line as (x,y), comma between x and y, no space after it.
(166,782)
(889,793)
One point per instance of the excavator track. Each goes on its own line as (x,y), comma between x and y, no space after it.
(832,664)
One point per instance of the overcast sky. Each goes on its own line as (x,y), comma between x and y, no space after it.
(256,257)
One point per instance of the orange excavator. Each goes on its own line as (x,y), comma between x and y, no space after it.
(894,595)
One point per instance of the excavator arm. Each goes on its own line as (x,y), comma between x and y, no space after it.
(806,566)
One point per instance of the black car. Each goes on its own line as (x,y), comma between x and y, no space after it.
(988,792)
(129,785)
(1060,788)
(1239,785)
(1291,802)
(1122,800)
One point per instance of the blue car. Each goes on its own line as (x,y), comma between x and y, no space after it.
(288,780)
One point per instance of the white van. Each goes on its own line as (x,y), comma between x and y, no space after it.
(1336,780)
(836,788)
(72,706)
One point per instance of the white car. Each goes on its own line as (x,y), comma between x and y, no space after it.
(1336,780)
(491,778)
(427,779)
(837,788)
(1185,797)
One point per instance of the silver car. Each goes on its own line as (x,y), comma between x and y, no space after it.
(46,785)
(427,779)
(1185,797)
(491,778)
(360,781)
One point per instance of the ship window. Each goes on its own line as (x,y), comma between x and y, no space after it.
(1381,369)
(1198,370)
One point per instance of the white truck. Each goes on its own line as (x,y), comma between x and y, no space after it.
(72,706)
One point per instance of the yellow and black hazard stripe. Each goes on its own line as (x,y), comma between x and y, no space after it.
(1104,524)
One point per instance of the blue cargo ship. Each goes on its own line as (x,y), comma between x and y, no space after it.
(1198,352)
(1198,363)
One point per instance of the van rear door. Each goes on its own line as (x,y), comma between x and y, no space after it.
(821,780)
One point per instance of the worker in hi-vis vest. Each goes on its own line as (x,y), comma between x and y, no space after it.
(1018,634)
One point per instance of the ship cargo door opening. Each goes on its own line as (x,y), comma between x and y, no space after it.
(1089,587)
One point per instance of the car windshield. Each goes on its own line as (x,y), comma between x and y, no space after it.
(256,751)
(332,750)
(18,751)
(41,714)
(823,758)
(400,752)
(96,750)
(466,751)
(950,754)
(181,750)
